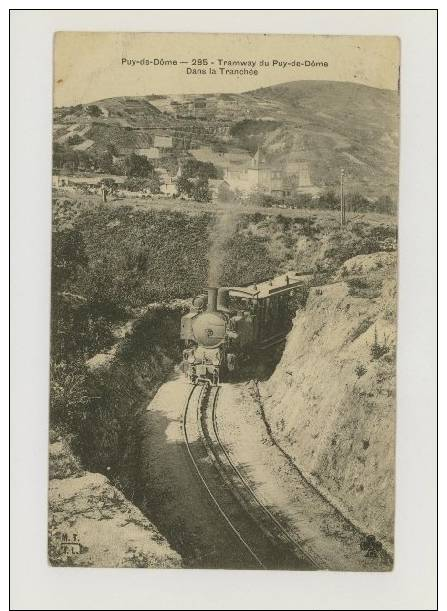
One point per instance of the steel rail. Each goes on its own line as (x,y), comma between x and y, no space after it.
(200,475)
(290,539)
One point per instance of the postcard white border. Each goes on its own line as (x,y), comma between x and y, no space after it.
(34,584)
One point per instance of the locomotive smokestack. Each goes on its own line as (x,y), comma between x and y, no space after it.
(212,299)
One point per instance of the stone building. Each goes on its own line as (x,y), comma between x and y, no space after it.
(256,175)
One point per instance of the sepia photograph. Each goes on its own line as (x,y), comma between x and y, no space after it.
(223,301)
(223,309)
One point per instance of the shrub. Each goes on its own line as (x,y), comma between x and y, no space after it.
(150,183)
(94,111)
(138,165)
(200,191)
(69,395)
(75,139)
(360,370)
(356,283)
(361,286)
(371,546)
(377,349)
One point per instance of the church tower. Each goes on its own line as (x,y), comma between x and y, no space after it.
(259,173)
(258,160)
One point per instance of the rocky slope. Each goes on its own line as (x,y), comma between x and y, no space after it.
(331,400)
(91,523)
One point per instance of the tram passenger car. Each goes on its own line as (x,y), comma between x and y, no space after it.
(226,324)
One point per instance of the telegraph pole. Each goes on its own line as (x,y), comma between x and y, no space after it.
(342,199)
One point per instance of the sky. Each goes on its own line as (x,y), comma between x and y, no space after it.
(90,66)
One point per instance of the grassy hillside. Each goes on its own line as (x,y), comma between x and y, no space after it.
(336,125)
(138,257)
(329,124)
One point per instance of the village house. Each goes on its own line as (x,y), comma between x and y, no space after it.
(256,175)
(168,186)
(163,142)
(259,175)
(301,170)
(167,182)
(247,173)
(151,153)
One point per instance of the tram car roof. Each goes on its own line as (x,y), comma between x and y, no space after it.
(274,286)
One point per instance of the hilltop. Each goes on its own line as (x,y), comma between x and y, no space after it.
(336,125)
(327,124)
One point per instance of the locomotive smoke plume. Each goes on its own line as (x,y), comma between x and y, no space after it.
(221,232)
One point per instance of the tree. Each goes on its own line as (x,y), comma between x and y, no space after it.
(201,191)
(111,148)
(192,168)
(259,198)
(68,250)
(170,164)
(85,162)
(119,167)
(69,160)
(153,183)
(58,159)
(134,184)
(138,165)
(105,162)
(219,147)
(94,110)
(357,203)
(194,177)
(184,186)
(330,200)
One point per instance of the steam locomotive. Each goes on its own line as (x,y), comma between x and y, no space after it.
(226,324)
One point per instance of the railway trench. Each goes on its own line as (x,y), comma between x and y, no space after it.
(192,502)
(185,482)
(173,496)
(193,489)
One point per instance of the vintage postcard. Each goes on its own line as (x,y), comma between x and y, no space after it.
(224,294)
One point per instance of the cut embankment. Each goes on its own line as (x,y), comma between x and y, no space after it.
(99,504)
(91,523)
(331,402)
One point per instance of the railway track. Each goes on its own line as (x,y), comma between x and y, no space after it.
(262,540)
